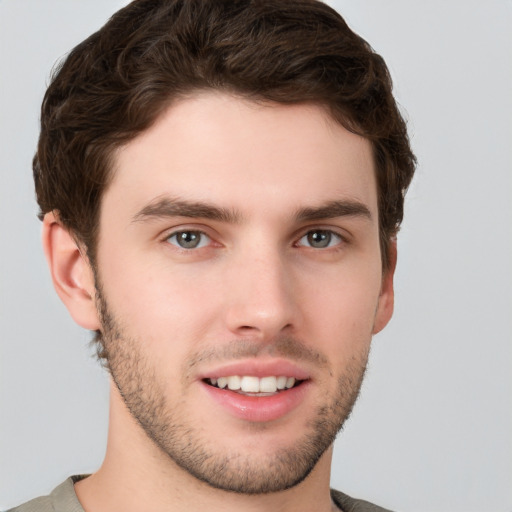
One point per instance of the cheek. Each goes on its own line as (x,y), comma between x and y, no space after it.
(341,311)
(156,301)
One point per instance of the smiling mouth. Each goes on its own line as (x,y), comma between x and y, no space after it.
(254,386)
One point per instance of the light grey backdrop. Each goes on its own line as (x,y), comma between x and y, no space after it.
(433,428)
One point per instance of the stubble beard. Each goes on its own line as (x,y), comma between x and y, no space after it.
(189,447)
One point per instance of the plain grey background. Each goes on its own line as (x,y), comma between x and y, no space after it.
(433,428)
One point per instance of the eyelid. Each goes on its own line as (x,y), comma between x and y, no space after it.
(180,228)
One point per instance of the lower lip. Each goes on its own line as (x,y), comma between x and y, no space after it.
(258,408)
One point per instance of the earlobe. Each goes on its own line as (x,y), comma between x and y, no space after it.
(387,293)
(71,272)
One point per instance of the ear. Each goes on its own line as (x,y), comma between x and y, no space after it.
(387,293)
(71,272)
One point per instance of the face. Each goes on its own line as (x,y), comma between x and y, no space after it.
(239,284)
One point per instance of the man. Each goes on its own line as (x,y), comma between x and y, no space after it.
(220,185)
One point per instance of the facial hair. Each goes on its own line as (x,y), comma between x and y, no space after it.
(190,447)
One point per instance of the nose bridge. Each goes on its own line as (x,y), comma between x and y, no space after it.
(260,295)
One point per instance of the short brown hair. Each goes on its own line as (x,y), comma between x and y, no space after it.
(115,84)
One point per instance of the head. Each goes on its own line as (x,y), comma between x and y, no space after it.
(156,74)
(115,85)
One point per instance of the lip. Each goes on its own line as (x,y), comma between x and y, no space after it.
(258,408)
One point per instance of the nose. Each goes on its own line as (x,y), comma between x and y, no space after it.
(260,296)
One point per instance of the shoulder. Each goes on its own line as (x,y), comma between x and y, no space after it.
(61,499)
(348,504)
(41,504)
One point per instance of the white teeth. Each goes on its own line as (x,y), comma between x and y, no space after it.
(268,385)
(222,382)
(234,382)
(250,384)
(281,382)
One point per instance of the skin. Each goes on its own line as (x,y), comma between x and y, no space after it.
(258,287)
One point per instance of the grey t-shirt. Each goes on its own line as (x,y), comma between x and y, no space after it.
(64,499)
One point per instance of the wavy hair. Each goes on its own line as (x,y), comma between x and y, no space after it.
(116,83)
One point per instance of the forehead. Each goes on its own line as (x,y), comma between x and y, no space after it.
(252,157)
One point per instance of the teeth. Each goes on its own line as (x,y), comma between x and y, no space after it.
(234,382)
(268,385)
(281,382)
(250,384)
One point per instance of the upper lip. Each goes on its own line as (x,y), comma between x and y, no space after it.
(257,368)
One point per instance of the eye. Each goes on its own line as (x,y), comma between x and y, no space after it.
(320,239)
(189,239)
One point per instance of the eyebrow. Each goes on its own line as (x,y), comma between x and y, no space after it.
(173,207)
(333,209)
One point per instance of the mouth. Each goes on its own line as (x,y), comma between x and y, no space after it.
(258,391)
(250,385)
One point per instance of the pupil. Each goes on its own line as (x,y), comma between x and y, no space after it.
(319,238)
(188,239)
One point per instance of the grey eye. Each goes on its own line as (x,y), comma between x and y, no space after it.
(189,239)
(320,239)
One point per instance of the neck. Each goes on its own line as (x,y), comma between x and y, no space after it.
(136,475)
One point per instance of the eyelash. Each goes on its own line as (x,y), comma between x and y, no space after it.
(205,239)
